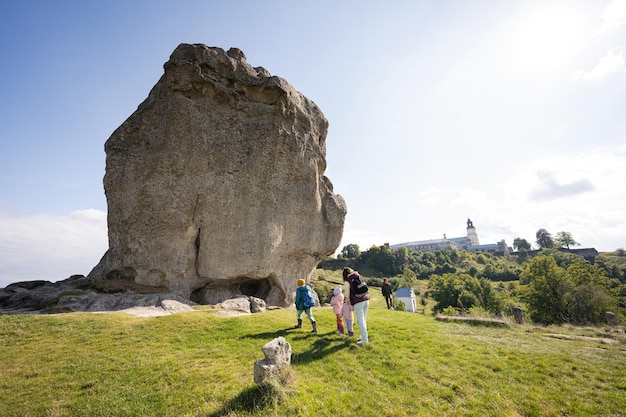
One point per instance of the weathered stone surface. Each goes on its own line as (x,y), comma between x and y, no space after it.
(277,357)
(518,315)
(215,185)
(75,294)
(257,305)
(35,296)
(96,302)
(238,304)
(278,352)
(611,319)
(174,306)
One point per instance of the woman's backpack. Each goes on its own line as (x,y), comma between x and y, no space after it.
(359,287)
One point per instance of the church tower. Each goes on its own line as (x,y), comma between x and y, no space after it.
(472,236)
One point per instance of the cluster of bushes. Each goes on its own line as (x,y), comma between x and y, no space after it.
(553,287)
(577,292)
(383,261)
(463,292)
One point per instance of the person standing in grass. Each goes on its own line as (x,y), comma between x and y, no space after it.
(348,315)
(304,302)
(337,303)
(359,302)
(387,293)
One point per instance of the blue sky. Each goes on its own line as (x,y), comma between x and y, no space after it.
(509,112)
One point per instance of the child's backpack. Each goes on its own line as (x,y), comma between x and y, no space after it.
(359,288)
(308,299)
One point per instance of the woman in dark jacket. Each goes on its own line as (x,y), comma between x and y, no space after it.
(359,302)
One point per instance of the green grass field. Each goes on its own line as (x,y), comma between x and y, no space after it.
(201,364)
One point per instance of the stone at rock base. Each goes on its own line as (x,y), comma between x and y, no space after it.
(94,302)
(611,319)
(257,305)
(238,304)
(174,306)
(518,315)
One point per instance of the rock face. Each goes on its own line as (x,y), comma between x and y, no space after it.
(215,185)
(78,293)
(611,319)
(277,358)
(518,315)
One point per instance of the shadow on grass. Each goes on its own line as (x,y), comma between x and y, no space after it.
(320,348)
(296,334)
(270,335)
(251,399)
(323,344)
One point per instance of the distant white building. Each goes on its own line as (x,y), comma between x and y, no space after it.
(469,243)
(407,296)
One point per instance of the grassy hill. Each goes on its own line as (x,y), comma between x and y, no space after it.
(201,364)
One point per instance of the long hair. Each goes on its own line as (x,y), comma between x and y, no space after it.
(346,272)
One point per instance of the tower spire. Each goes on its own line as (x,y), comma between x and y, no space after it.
(472,236)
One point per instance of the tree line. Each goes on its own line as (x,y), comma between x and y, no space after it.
(546,241)
(384,261)
(551,286)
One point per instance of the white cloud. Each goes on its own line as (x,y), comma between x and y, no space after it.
(50,247)
(551,187)
(591,201)
(612,63)
(432,195)
(613,17)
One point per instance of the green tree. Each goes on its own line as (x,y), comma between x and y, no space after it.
(445,290)
(590,299)
(547,289)
(562,259)
(611,268)
(565,239)
(382,259)
(521,244)
(403,256)
(351,251)
(544,239)
(463,291)
(407,280)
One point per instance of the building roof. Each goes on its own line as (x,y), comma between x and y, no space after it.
(404,292)
(485,246)
(584,252)
(419,242)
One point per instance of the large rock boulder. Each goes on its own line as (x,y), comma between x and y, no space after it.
(215,185)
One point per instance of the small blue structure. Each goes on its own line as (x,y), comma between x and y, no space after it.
(407,296)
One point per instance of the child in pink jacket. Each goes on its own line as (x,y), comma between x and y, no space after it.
(337,303)
(348,315)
